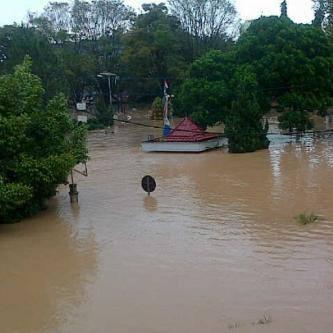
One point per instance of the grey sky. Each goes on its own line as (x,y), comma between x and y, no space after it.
(299,10)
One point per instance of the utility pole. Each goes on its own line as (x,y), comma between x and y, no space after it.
(109,76)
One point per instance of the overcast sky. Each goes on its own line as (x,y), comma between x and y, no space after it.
(299,10)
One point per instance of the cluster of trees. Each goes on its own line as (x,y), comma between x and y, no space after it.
(275,62)
(71,43)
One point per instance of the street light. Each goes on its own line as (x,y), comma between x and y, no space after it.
(108,75)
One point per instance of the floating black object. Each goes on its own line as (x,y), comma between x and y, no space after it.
(148,184)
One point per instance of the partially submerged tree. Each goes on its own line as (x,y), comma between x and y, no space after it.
(219,91)
(39,144)
(244,125)
(293,64)
(275,59)
(104,112)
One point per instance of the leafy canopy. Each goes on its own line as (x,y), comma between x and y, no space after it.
(290,63)
(153,50)
(220,91)
(294,66)
(39,144)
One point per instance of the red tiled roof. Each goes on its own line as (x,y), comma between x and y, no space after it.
(188,131)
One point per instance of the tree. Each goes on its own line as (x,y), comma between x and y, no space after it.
(219,91)
(104,112)
(92,20)
(80,70)
(206,94)
(157,108)
(86,37)
(153,51)
(54,23)
(320,12)
(209,24)
(59,16)
(244,125)
(298,120)
(18,41)
(284,9)
(293,64)
(39,144)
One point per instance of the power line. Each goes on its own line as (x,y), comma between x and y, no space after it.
(326,131)
(161,127)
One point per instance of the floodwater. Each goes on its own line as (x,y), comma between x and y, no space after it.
(216,247)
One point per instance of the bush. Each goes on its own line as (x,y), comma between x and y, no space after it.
(157,108)
(95,124)
(39,144)
(298,120)
(104,114)
(306,218)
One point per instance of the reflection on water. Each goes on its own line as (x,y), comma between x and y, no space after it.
(150,204)
(216,244)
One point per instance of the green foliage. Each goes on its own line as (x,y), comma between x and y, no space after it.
(298,121)
(39,144)
(157,108)
(79,70)
(85,38)
(306,218)
(243,124)
(71,42)
(13,196)
(94,124)
(219,91)
(207,94)
(287,62)
(18,41)
(104,113)
(293,64)
(153,50)
(104,116)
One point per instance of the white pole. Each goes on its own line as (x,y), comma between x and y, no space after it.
(110,95)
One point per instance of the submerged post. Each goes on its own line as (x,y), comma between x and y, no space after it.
(73,193)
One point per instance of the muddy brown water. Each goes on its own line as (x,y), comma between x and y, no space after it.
(214,249)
